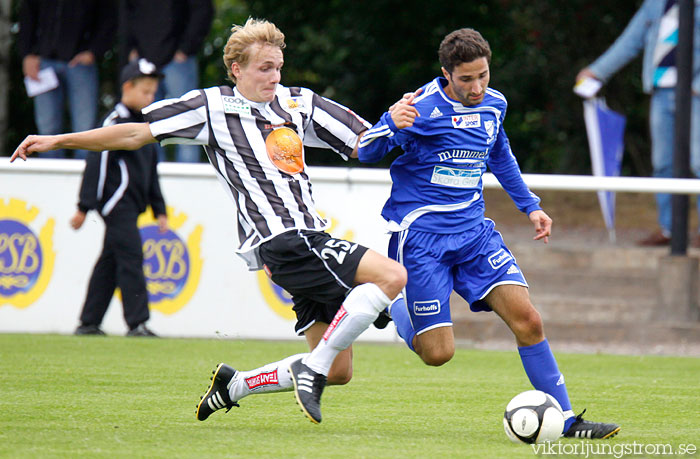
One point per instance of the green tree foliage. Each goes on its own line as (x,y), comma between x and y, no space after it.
(536,61)
(228,13)
(365,55)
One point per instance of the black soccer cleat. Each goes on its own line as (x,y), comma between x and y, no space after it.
(217,396)
(89,330)
(308,387)
(383,319)
(141,330)
(591,430)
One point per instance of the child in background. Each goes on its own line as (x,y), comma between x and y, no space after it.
(119,185)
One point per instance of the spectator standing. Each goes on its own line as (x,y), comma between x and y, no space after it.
(170,33)
(119,185)
(68,37)
(654,29)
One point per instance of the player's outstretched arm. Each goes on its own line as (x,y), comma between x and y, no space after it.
(543,225)
(127,136)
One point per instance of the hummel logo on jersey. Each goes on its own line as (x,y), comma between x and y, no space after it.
(472,120)
(513,270)
(435,113)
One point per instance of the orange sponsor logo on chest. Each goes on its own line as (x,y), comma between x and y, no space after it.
(285,150)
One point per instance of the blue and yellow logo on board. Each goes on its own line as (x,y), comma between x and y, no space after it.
(172,264)
(26,258)
(275,296)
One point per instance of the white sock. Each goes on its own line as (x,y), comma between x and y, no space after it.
(360,308)
(273,377)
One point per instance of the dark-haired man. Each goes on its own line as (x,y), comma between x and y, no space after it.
(451,130)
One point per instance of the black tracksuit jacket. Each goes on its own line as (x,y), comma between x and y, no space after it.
(122,181)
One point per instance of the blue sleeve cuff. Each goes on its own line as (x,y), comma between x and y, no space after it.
(386,119)
(532,208)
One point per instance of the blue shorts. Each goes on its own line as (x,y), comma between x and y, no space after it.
(471,263)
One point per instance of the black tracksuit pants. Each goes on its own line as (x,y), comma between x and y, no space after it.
(120,265)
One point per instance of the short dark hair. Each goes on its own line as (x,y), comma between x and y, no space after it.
(463,45)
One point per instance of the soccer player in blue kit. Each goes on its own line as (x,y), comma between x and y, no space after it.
(451,130)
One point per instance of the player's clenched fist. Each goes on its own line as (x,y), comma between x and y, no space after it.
(403,113)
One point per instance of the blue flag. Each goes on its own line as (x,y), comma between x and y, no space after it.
(606,131)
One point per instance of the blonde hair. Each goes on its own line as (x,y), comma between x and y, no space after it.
(254,31)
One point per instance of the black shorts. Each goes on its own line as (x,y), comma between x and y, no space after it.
(316,269)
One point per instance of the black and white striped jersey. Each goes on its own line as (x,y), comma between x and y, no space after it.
(263,173)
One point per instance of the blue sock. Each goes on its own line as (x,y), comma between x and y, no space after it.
(542,369)
(399,314)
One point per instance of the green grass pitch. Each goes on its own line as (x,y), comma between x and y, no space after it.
(65,396)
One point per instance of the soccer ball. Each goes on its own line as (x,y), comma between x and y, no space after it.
(533,417)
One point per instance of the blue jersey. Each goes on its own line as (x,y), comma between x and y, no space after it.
(437,182)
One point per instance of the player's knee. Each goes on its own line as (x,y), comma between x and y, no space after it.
(533,322)
(530,328)
(437,357)
(393,279)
